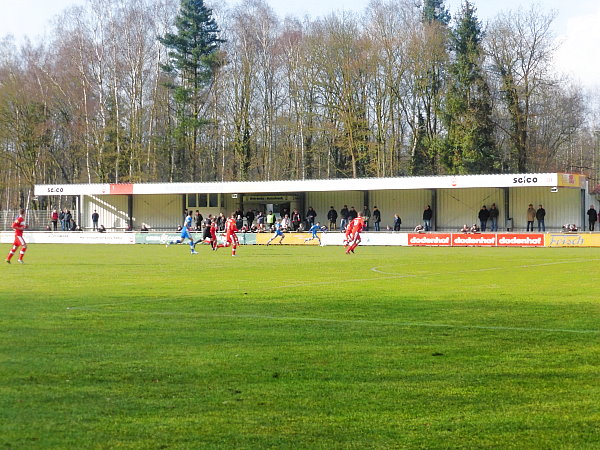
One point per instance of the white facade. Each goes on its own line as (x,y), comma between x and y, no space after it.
(455,199)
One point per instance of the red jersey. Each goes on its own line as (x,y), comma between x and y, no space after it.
(19,225)
(230,226)
(350,228)
(213,231)
(357,224)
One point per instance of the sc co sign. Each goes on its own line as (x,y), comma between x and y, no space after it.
(525,180)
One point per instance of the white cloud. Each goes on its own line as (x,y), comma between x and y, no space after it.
(579,54)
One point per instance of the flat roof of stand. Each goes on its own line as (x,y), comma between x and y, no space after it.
(564,180)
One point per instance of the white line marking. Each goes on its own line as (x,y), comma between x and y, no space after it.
(347,321)
(524,266)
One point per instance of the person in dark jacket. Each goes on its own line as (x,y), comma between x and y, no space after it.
(310,216)
(249,218)
(494,214)
(540,215)
(376,216)
(592,217)
(296,220)
(397,222)
(484,215)
(427,216)
(332,216)
(344,213)
(352,214)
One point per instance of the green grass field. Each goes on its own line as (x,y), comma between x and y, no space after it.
(300,347)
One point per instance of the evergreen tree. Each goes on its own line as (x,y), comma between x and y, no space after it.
(470,146)
(435,11)
(431,86)
(193,61)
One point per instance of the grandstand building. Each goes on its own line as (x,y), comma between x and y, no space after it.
(455,200)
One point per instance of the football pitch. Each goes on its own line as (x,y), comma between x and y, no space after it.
(142,346)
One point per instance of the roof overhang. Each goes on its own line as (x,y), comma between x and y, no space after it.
(332,185)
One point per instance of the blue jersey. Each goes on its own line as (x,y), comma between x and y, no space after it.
(278,231)
(187,226)
(314,230)
(188,222)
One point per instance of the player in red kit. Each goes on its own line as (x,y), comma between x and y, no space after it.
(349,232)
(231,238)
(18,225)
(213,234)
(357,226)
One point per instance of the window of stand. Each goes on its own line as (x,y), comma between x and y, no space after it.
(203,200)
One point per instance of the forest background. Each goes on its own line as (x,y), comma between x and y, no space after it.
(185,90)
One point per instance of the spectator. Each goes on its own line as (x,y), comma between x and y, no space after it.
(484,215)
(198,220)
(474,228)
(249,218)
(296,220)
(310,216)
(95,217)
(494,214)
(540,214)
(270,220)
(397,222)
(366,213)
(592,217)
(332,216)
(427,216)
(68,218)
(101,229)
(352,214)
(344,220)
(376,218)
(260,221)
(221,222)
(465,228)
(530,217)
(286,224)
(419,229)
(61,217)
(54,219)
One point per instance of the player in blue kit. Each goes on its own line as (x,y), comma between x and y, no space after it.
(278,232)
(314,230)
(185,234)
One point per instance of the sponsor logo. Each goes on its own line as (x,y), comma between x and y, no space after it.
(525,180)
(566,240)
(429,239)
(483,240)
(521,240)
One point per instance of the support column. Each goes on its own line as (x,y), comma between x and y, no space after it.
(507,218)
(584,224)
(130,211)
(435,209)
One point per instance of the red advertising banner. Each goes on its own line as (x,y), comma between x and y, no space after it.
(433,240)
(121,188)
(521,240)
(477,240)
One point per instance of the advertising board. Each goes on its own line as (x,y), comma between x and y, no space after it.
(430,240)
(572,240)
(521,240)
(474,240)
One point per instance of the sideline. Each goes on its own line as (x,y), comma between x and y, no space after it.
(345,321)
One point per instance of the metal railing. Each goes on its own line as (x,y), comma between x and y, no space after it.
(37,220)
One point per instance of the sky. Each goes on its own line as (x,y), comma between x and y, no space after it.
(577,26)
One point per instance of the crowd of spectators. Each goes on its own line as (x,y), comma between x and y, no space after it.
(257,221)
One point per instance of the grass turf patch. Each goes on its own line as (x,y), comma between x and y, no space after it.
(147,347)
